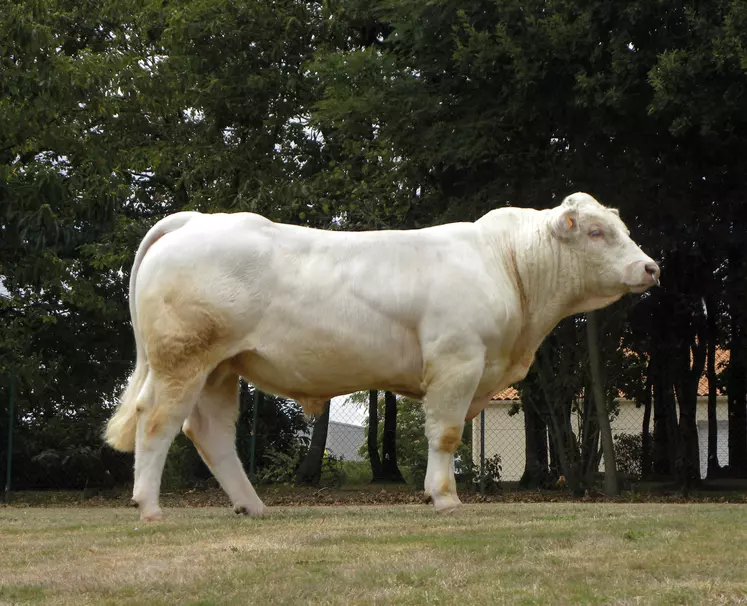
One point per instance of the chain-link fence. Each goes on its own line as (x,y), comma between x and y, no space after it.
(274,438)
(501,430)
(499,433)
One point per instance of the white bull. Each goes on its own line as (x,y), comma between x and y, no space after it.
(448,314)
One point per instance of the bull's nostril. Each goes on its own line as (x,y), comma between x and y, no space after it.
(653,270)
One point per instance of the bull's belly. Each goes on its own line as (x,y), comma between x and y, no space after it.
(323,370)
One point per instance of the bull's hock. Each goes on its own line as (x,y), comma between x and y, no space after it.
(448,314)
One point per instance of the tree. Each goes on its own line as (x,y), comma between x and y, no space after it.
(598,389)
(536,470)
(61,185)
(384,467)
(372,436)
(389,470)
(310,470)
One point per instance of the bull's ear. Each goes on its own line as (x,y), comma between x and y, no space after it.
(564,223)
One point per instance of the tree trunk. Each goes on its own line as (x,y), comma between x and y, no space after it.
(377,472)
(536,472)
(688,378)
(310,470)
(389,468)
(737,385)
(688,456)
(713,466)
(665,419)
(566,447)
(590,452)
(597,379)
(555,470)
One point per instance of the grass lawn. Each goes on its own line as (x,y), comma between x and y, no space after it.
(513,553)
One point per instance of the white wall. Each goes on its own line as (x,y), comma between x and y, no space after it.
(504,434)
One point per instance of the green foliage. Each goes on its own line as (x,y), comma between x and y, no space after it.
(355,472)
(280,467)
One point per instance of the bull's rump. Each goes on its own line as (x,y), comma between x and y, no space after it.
(303,312)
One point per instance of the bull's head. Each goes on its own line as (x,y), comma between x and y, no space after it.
(599,243)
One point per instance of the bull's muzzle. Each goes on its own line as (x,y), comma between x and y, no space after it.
(641,275)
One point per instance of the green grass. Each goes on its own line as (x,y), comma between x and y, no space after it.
(512,553)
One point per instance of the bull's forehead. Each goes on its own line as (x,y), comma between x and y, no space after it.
(593,209)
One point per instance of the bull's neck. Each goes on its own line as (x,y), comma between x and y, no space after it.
(550,277)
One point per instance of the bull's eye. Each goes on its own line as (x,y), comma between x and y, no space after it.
(595,233)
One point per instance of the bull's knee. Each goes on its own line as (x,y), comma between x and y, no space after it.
(191,428)
(158,419)
(450,438)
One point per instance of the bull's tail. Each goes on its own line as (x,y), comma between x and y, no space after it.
(122,426)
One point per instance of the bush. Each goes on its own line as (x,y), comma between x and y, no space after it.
(629,454)
(279,467)
(356,472)
(490,478)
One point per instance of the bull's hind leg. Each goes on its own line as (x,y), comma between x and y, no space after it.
(159,420)
(212,428)
(450,390)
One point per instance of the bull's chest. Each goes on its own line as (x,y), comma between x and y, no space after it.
(505,368)
(501,373)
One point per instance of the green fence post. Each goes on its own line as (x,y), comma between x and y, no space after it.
(11,417)
(482,451)
(258,397)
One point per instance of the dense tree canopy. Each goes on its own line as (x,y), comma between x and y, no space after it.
(349,115)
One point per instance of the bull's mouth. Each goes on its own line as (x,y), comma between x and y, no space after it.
(640,287)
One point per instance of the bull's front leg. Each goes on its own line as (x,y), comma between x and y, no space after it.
(451,384)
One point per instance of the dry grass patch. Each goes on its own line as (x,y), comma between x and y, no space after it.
(496,553)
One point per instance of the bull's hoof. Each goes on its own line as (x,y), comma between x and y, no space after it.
(152,516)
(446,503)
(427,498)
(250,510)
(150,513)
